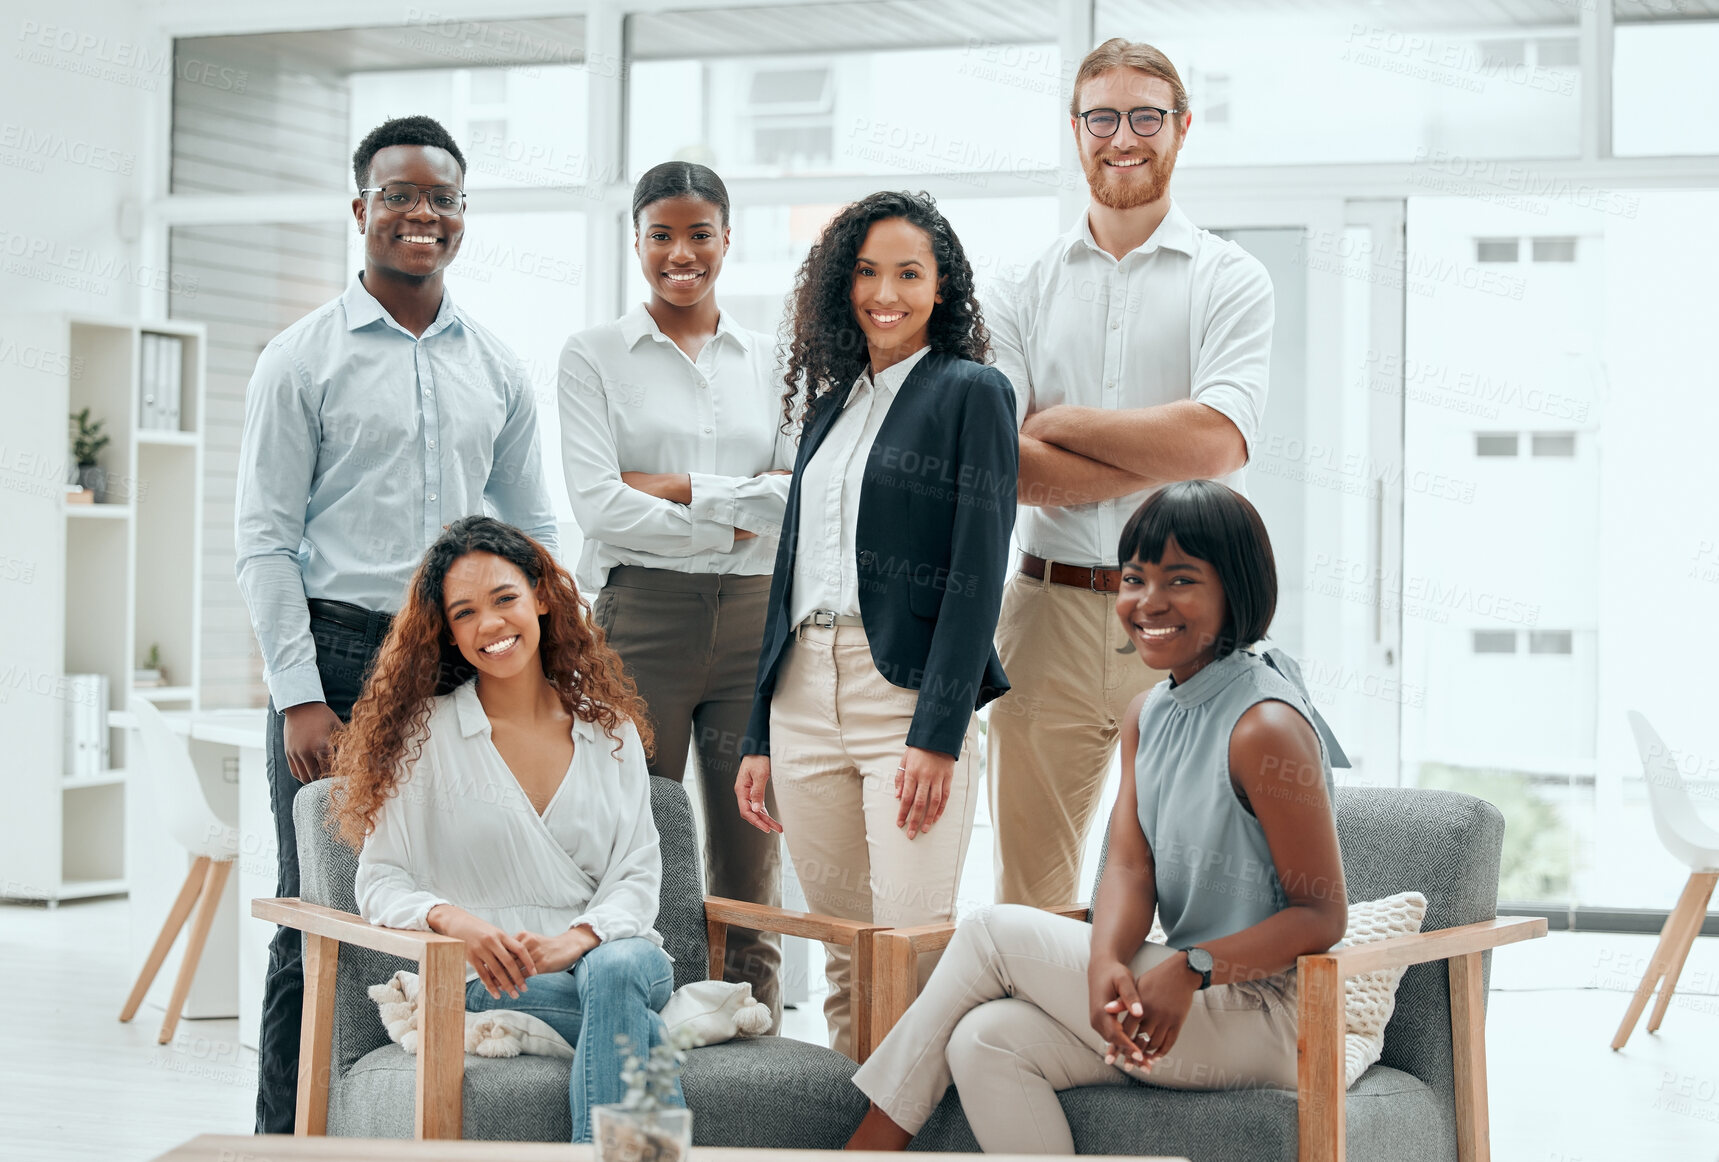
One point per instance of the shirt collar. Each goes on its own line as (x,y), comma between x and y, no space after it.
(473,721)
(1205,685)
(1175,232)
(892,377)
(637,323)
(363,309)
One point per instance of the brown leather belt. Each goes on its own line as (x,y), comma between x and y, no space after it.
(1097,580)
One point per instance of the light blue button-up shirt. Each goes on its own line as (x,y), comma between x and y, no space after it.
(361,442)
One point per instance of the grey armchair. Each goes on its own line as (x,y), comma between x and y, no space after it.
(1425,1098)
(354,1082)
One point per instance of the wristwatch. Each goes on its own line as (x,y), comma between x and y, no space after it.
(1201,962)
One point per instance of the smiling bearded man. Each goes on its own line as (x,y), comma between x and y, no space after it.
(1137,345)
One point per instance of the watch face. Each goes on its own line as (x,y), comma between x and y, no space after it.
(1200,960)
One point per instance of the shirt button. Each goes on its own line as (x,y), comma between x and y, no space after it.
(432,443)
(1110,383)
(707,431)
(432,496)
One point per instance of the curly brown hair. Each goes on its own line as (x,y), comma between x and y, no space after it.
(828,349)
(419,661)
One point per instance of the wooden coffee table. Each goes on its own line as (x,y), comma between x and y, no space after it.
(273,1148)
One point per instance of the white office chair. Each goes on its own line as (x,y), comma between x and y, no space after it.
(184,811)
(1685,836)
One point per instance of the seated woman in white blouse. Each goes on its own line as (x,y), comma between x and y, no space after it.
(495,774)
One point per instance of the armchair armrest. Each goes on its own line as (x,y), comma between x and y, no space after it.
(1321,1090)
(441,1019)
(720,912)
(896,964)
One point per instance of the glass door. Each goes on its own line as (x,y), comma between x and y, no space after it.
(1326,471)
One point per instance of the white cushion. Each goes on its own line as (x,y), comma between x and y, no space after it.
(1370,998)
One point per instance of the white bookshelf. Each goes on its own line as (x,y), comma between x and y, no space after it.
(95,584)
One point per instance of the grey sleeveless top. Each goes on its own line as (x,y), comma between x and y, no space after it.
(1214,870)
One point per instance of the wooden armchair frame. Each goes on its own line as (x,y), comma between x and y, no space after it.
(442,980)
(1321,1092)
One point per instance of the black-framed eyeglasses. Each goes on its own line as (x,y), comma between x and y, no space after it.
(1144,120)
(403,198)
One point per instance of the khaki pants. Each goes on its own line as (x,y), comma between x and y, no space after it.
(690,642)
(1072,671)
(1005,1018)
(838,730)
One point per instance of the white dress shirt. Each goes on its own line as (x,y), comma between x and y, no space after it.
(826,573)
(631,401)
(1187,315)
(362,442)
(460,830)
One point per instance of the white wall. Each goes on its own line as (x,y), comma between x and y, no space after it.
(79,142)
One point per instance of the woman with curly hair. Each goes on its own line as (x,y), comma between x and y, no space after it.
(494,772)
(889,575)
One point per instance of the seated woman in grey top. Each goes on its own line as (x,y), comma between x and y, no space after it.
(1225,829)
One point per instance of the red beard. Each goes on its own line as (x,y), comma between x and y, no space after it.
(1125,191)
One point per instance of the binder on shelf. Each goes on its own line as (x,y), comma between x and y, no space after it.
(161,369)
(146,386)
(86,725)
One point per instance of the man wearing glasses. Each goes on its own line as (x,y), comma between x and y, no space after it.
(1138,346)
(370,424)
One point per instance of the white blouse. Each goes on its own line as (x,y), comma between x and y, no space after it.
(460,830)
(631,401)
(826,572)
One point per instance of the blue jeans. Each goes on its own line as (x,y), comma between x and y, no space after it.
(617,987)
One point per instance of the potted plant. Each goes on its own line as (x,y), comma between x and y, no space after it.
(87,442)
(643,1127)
(150,672)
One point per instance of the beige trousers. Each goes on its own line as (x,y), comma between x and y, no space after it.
(1072,672)
(1005,1019)
(838,729)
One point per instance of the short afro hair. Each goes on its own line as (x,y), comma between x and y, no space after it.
(417,130)
(1216,524)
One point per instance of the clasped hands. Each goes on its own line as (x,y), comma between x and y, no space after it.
(1140,1019)
(922,781)
(502,961)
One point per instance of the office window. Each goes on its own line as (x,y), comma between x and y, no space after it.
(1555,249)
(1664,99)
(1558,444)
(1360,81)
(1496,249)
(1495,443)
(1494,641)
(1550,641)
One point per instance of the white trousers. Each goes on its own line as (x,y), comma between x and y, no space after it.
(1005,1019)
(838,730)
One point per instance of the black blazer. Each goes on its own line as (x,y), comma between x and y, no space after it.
(937,503)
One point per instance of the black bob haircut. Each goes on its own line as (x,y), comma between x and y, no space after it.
(679,179)
(403,131)
(1219,526)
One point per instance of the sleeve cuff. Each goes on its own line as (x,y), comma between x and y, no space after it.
(296,685)
(712,537)
(1227,406)
(712,497)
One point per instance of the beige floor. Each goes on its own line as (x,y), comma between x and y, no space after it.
(77,1086)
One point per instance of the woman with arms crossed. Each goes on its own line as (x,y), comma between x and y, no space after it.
(1223,825)
(889,575)
(677,475)
(495,774)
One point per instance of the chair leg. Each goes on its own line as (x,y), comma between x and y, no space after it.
(1703,882)
(182,906)
(316,1035)
(1468,1046)
(1658,962)
(213,884)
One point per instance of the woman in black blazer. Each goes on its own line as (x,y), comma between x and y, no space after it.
(889,575)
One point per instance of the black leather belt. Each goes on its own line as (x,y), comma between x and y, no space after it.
(356,618)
